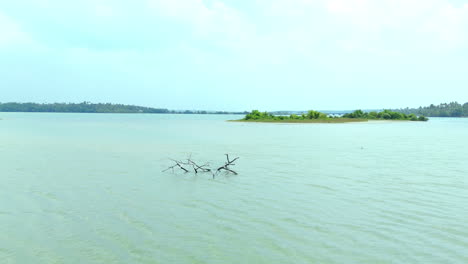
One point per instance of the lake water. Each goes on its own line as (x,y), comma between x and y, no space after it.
(88,188)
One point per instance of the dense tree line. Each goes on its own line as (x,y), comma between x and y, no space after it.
(87,107)
(257,115)
(84,107)
(385,115)
(453,109)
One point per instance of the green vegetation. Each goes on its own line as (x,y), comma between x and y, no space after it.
(257,115)
(318,117)
(453,109)
(87,107)
(84,107)
(385,115)
(309,117)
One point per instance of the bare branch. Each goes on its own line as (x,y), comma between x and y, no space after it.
(197,167)
(226,166)
(231,171)
(177,164)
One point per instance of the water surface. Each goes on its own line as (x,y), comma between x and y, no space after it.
(88,188)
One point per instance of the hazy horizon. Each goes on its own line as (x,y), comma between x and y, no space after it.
(242,110)
(231,55)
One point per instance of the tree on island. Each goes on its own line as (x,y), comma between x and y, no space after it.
(257,115)
(385,115)
(312,115)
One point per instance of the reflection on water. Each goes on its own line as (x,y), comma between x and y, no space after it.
(80,188)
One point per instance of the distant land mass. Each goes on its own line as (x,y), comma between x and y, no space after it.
(453,109)
(87,107)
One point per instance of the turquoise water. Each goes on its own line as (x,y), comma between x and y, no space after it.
(88,188)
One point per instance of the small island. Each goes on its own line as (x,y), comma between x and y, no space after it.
(319,117)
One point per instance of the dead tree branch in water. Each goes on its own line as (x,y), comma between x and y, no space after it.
(203,168)
(177,164)
(226,166)
(196,167)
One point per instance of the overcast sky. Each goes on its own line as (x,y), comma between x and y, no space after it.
(235,54)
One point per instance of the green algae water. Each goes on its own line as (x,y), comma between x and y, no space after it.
(88,188)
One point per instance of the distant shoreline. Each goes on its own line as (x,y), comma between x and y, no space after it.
(129,113)
(100,108)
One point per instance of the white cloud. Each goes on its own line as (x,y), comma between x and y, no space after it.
(433,24)
(294,25)
(450,25)
(104,11)
(217,22)
(11,32)
(193,11)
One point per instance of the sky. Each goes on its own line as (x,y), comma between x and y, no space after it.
(235,55)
